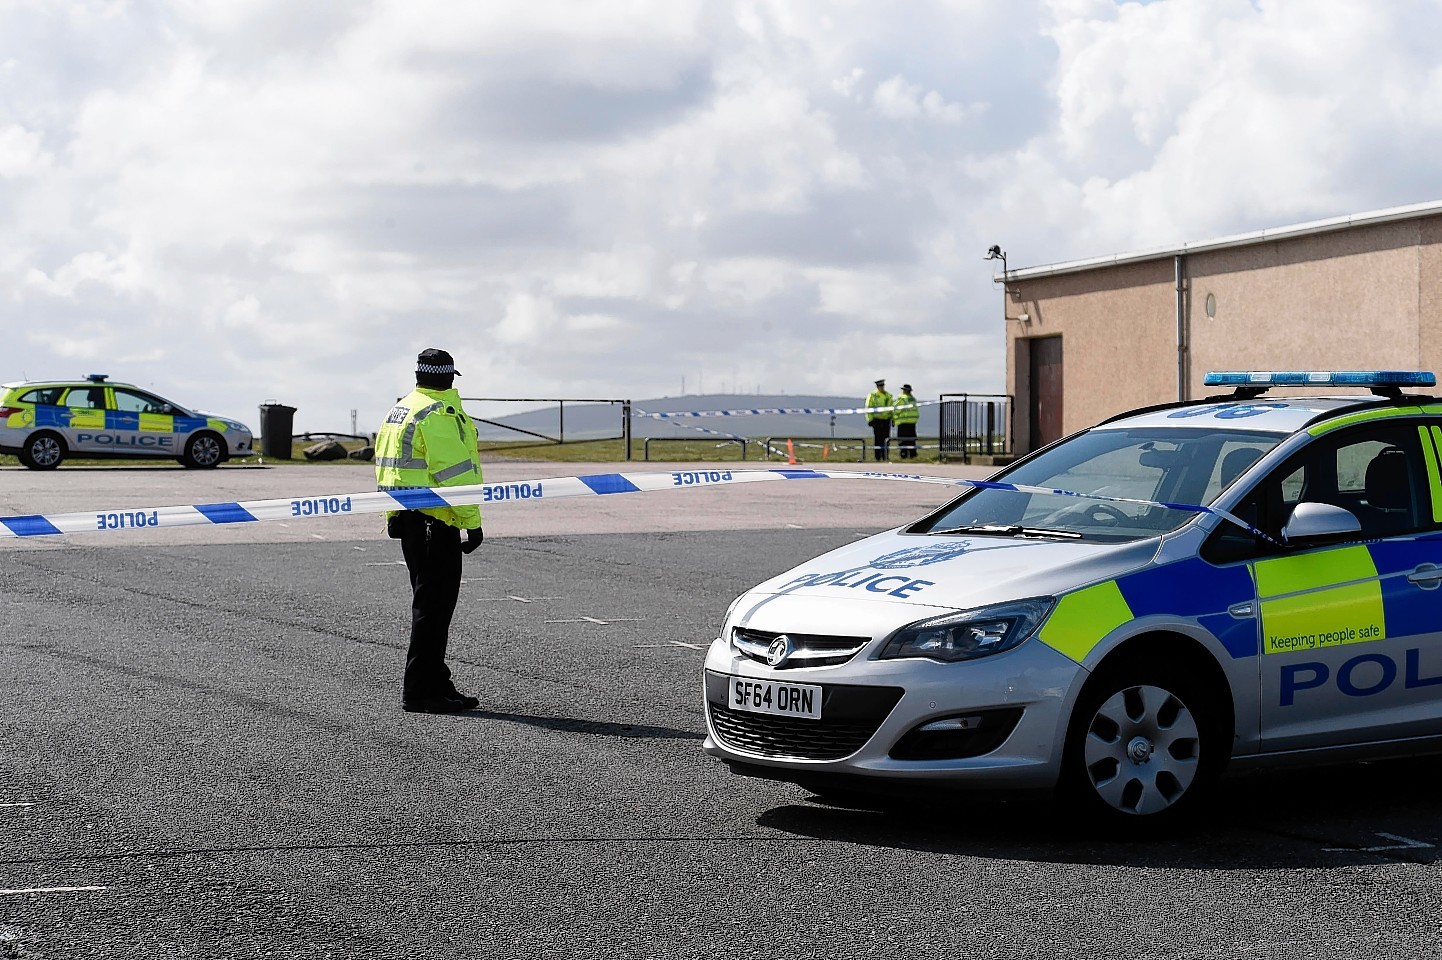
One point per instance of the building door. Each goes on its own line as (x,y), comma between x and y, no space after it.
(1045,391)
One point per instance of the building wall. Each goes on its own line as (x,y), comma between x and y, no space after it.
(1360,297)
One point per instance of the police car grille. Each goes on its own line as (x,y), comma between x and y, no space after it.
(810,649)
(770,736)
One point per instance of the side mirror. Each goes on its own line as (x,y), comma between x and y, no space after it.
(1312,524)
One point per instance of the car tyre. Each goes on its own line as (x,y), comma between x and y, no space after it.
(43,451)
(1144,744)
(204,450)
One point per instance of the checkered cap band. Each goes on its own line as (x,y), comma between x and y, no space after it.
(435,368)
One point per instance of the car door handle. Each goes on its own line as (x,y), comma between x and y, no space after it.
(1242,611)
(1428,576)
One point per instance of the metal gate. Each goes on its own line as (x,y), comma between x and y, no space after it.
(975,424)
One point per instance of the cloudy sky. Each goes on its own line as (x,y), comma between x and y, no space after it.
(233,201)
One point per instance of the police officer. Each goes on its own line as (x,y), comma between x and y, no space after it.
(428,441)
(880,420)
(905,417)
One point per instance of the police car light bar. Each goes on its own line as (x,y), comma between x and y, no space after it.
(1314,378)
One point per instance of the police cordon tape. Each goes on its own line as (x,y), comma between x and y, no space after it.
(776,411)
(553,488)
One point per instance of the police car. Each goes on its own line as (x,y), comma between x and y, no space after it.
(1250,579)
(45,421)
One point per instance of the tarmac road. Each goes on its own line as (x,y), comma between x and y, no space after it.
(202,755)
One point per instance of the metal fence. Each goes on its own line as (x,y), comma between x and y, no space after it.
(975,424)
(542,421)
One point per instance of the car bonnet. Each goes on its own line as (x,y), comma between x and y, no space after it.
(956,572)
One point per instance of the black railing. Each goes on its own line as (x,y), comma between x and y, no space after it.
(560,408)
(975,424)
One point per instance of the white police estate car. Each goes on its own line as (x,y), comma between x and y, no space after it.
(1242,579)
(45,421)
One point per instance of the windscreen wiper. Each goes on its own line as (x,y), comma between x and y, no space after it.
(1007,530)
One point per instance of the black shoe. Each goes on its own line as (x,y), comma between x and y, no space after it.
(436,704)
(469,702)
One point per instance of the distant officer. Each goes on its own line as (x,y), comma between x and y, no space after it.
(880,420)
(905,416)
(428,441)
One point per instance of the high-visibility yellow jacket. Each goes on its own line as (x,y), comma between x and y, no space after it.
(428,441)
(906,409)
(878,398)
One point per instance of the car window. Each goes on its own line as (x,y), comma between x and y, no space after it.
(1378,473)
(86,398)
(1155,464)
(134,401)
(45,395)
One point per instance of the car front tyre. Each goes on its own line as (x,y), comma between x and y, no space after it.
(1143,745)
(204,450)
(43,451)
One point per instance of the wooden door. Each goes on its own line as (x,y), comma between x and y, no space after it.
(1045,391)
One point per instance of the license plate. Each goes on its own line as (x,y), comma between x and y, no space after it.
(781,699)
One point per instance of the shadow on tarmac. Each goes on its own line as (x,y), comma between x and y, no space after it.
(1362,813)
(601,728)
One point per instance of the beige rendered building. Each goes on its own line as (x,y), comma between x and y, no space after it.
(1091,338)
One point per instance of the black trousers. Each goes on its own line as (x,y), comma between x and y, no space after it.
(906,441)
(432,549)
(881,434)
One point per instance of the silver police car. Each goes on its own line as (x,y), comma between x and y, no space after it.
(45,421)
(1254,578)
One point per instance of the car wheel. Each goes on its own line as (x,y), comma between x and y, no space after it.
(43,451)
(1144,743)
(203,450)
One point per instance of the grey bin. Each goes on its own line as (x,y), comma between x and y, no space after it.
(277,422)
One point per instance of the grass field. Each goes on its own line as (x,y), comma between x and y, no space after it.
(599,451)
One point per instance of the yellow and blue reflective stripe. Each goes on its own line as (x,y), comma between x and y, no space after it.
(1083,618)
(49,415)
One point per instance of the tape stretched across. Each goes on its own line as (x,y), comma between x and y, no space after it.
(489,494)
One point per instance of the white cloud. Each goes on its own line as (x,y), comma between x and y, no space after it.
(253,199)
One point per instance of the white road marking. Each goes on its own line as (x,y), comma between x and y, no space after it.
(317,536)
(361,549)
(601,622)
(19,803)
(388,563)
(52,889)
(520,599)
(1403,843)
(795,526)
(683,643)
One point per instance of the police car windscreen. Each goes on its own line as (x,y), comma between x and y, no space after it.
(1149,464)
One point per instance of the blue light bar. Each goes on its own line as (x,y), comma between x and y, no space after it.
(1320,378)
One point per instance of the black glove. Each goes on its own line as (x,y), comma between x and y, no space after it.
(474,536)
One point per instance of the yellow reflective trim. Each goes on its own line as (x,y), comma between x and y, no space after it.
(215,424)
(91,418)
(1324,618)
(157,423)
(1081,619)
(1430,439)
(1322,599)
(1383,414)
(1309,571)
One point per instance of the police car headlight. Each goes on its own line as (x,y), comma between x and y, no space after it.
(970,634)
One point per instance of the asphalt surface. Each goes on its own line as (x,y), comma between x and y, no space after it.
(202,754)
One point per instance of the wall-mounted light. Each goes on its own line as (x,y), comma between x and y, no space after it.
(1023,317)
(997,253)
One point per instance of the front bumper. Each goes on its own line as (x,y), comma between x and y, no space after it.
(1009,711)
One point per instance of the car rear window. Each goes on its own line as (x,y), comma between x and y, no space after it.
(48,395)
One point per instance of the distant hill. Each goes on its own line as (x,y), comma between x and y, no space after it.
(587,421)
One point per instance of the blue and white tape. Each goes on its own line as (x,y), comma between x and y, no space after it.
(775,411)
(493,494)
